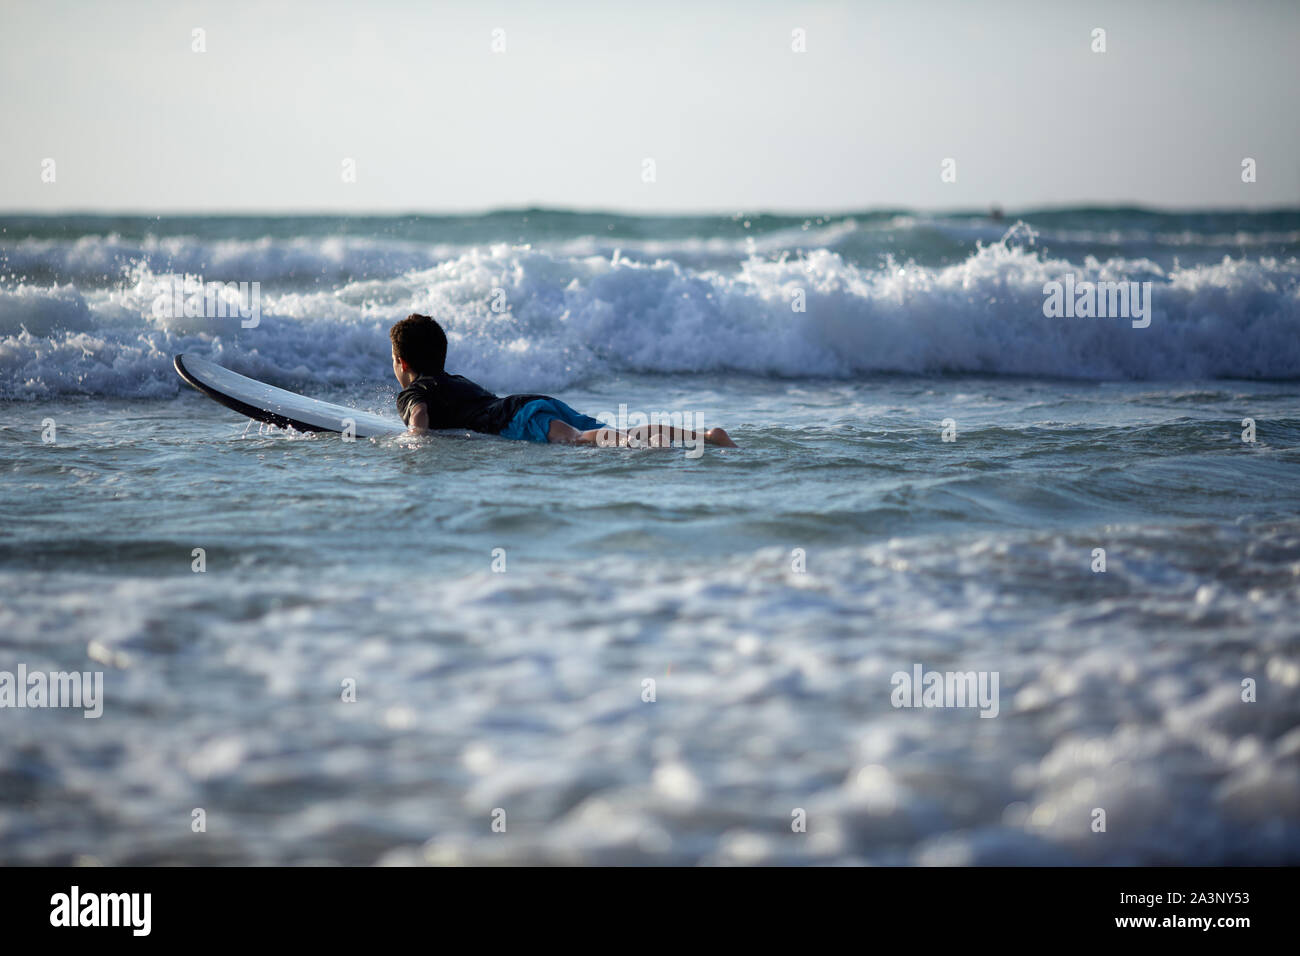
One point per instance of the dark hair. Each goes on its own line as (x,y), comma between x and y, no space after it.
(420,342)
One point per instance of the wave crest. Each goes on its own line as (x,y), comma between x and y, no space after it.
(523,319)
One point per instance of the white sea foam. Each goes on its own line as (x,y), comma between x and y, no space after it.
(484,690)
(574,317)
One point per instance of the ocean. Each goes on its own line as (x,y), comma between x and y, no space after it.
(466,650)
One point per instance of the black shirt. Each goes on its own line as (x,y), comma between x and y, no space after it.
(456,402)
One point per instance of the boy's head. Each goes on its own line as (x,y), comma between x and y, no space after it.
(419,346)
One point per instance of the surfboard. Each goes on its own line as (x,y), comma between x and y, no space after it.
(277,406)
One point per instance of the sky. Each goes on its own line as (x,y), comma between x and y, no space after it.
(433,119)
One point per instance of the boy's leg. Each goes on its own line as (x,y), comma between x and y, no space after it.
(645,436)
(659,435)
(562,433)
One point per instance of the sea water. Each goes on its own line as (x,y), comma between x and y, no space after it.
(459,649)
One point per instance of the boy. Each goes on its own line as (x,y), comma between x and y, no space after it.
(430,398)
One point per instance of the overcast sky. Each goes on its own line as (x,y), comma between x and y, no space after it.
(585,92)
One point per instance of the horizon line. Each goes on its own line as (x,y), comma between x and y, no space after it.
(984,210)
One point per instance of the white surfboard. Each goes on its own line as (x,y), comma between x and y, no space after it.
(276,406)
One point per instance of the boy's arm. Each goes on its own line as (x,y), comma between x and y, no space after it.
(419,422)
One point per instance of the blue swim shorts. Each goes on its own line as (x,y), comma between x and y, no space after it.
(533,421)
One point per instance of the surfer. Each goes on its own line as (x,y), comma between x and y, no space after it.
(431,399)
